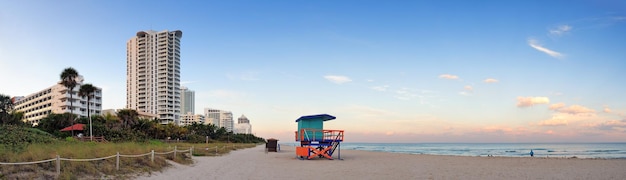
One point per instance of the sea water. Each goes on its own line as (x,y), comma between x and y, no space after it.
(563,150)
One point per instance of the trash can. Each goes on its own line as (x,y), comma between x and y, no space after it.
(272,145)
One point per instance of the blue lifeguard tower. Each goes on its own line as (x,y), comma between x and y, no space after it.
(315,140)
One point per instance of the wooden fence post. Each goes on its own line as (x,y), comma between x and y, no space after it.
(58,166)
(117,164)
(152,157)
(174,153)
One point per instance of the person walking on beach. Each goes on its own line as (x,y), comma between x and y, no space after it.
(532,153)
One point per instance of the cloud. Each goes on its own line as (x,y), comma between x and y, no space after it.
(612,124)
(405,94)
(469,88)
(365,111)
(490,80)
(607,109)
(530,101)
(380,88)
(560,30)
(556,106)
(337,79)
(575,110)
(534,44)
(448,76)
(554,121)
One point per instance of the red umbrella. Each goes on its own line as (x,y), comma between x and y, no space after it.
(76,127)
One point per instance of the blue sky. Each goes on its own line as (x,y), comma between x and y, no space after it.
(391,71)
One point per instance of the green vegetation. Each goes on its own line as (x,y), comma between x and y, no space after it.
(129,133)
(129,166)
(16,138)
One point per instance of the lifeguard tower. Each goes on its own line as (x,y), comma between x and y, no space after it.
(315,140)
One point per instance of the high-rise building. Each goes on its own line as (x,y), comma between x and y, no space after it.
(187,100)
(212,116)
(220,118)
(243,125)
(153,74)
(56,99)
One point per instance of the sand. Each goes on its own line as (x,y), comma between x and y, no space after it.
(254,163)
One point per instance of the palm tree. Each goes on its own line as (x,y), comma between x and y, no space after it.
(129,117)
(68,79)
(87,90)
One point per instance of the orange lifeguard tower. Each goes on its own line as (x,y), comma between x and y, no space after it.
(315,140)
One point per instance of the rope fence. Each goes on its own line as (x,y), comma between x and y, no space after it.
(152,153)
(58,159)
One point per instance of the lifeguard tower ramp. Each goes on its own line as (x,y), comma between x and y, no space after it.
(315,141)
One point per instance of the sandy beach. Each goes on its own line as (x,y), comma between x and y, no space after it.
(254,163)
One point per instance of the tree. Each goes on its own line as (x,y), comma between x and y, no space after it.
(53,123)
(68,79)
(6,105)
(7,114)
(129,117)
(87,90)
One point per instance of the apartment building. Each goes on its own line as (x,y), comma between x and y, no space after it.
(187,100)
(153,74)
(220,118)
(243,125)
(190,118)
(56,99)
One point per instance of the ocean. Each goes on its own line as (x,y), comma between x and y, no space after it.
(566,150)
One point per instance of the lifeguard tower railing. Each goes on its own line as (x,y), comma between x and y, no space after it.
(319,135)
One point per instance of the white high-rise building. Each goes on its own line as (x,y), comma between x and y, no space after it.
(153,74)
(243,125)
(220,118)
(187,100)
(56,99)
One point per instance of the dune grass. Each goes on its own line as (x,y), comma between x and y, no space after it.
(100,169)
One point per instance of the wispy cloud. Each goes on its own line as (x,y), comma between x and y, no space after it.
(405,94)
(560,30)
(534,44)
(554,121)
(573,109)
(468,88)
(531,101)
(380,88)
(612,124)
(556,106)
(490,80)
(607,109)
(366,111)
(337,79)
(448,76)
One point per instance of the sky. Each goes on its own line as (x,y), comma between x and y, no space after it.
(390,71)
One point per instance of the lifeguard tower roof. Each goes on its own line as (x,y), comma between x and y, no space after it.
(324,117)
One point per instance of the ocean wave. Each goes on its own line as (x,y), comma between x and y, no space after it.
(610,150)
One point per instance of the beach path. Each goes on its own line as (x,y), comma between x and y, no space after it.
(254,163)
